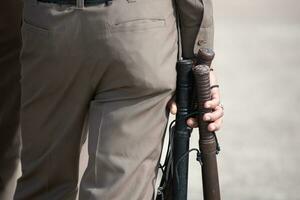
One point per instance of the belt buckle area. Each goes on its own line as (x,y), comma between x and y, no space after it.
(108,2)
(80,4)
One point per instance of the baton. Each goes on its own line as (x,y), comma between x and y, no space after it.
(207,140)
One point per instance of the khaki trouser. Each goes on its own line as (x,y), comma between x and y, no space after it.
(10,46)
(114,64)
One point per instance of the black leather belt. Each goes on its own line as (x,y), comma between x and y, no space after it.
(73,2)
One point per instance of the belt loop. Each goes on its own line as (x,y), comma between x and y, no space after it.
(79,4)
(108,2)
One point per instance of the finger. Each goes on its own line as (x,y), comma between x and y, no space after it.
(215,115)
(192,122)
(215,101)
(213,77)
(216,125)
(173,107)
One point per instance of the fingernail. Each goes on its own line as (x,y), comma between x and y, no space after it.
(207,118)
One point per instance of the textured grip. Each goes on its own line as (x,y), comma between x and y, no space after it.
(207,142)
(205,56)
(202,82)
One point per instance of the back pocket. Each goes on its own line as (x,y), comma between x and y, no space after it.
(29,26)
(139,24)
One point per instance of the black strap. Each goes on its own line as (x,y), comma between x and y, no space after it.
(73,2)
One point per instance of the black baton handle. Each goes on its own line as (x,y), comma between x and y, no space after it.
(182,131)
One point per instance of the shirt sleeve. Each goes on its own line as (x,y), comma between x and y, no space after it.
(196,25)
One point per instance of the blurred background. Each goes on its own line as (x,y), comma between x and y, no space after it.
(257,44)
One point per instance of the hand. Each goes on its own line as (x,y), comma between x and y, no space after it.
(215,118)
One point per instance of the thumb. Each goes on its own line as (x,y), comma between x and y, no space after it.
(173,107)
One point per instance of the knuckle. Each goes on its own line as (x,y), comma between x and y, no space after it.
(215,116)
(214,104)
(217,101)
(221,113)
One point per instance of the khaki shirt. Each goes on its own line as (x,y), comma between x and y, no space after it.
(196,25)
